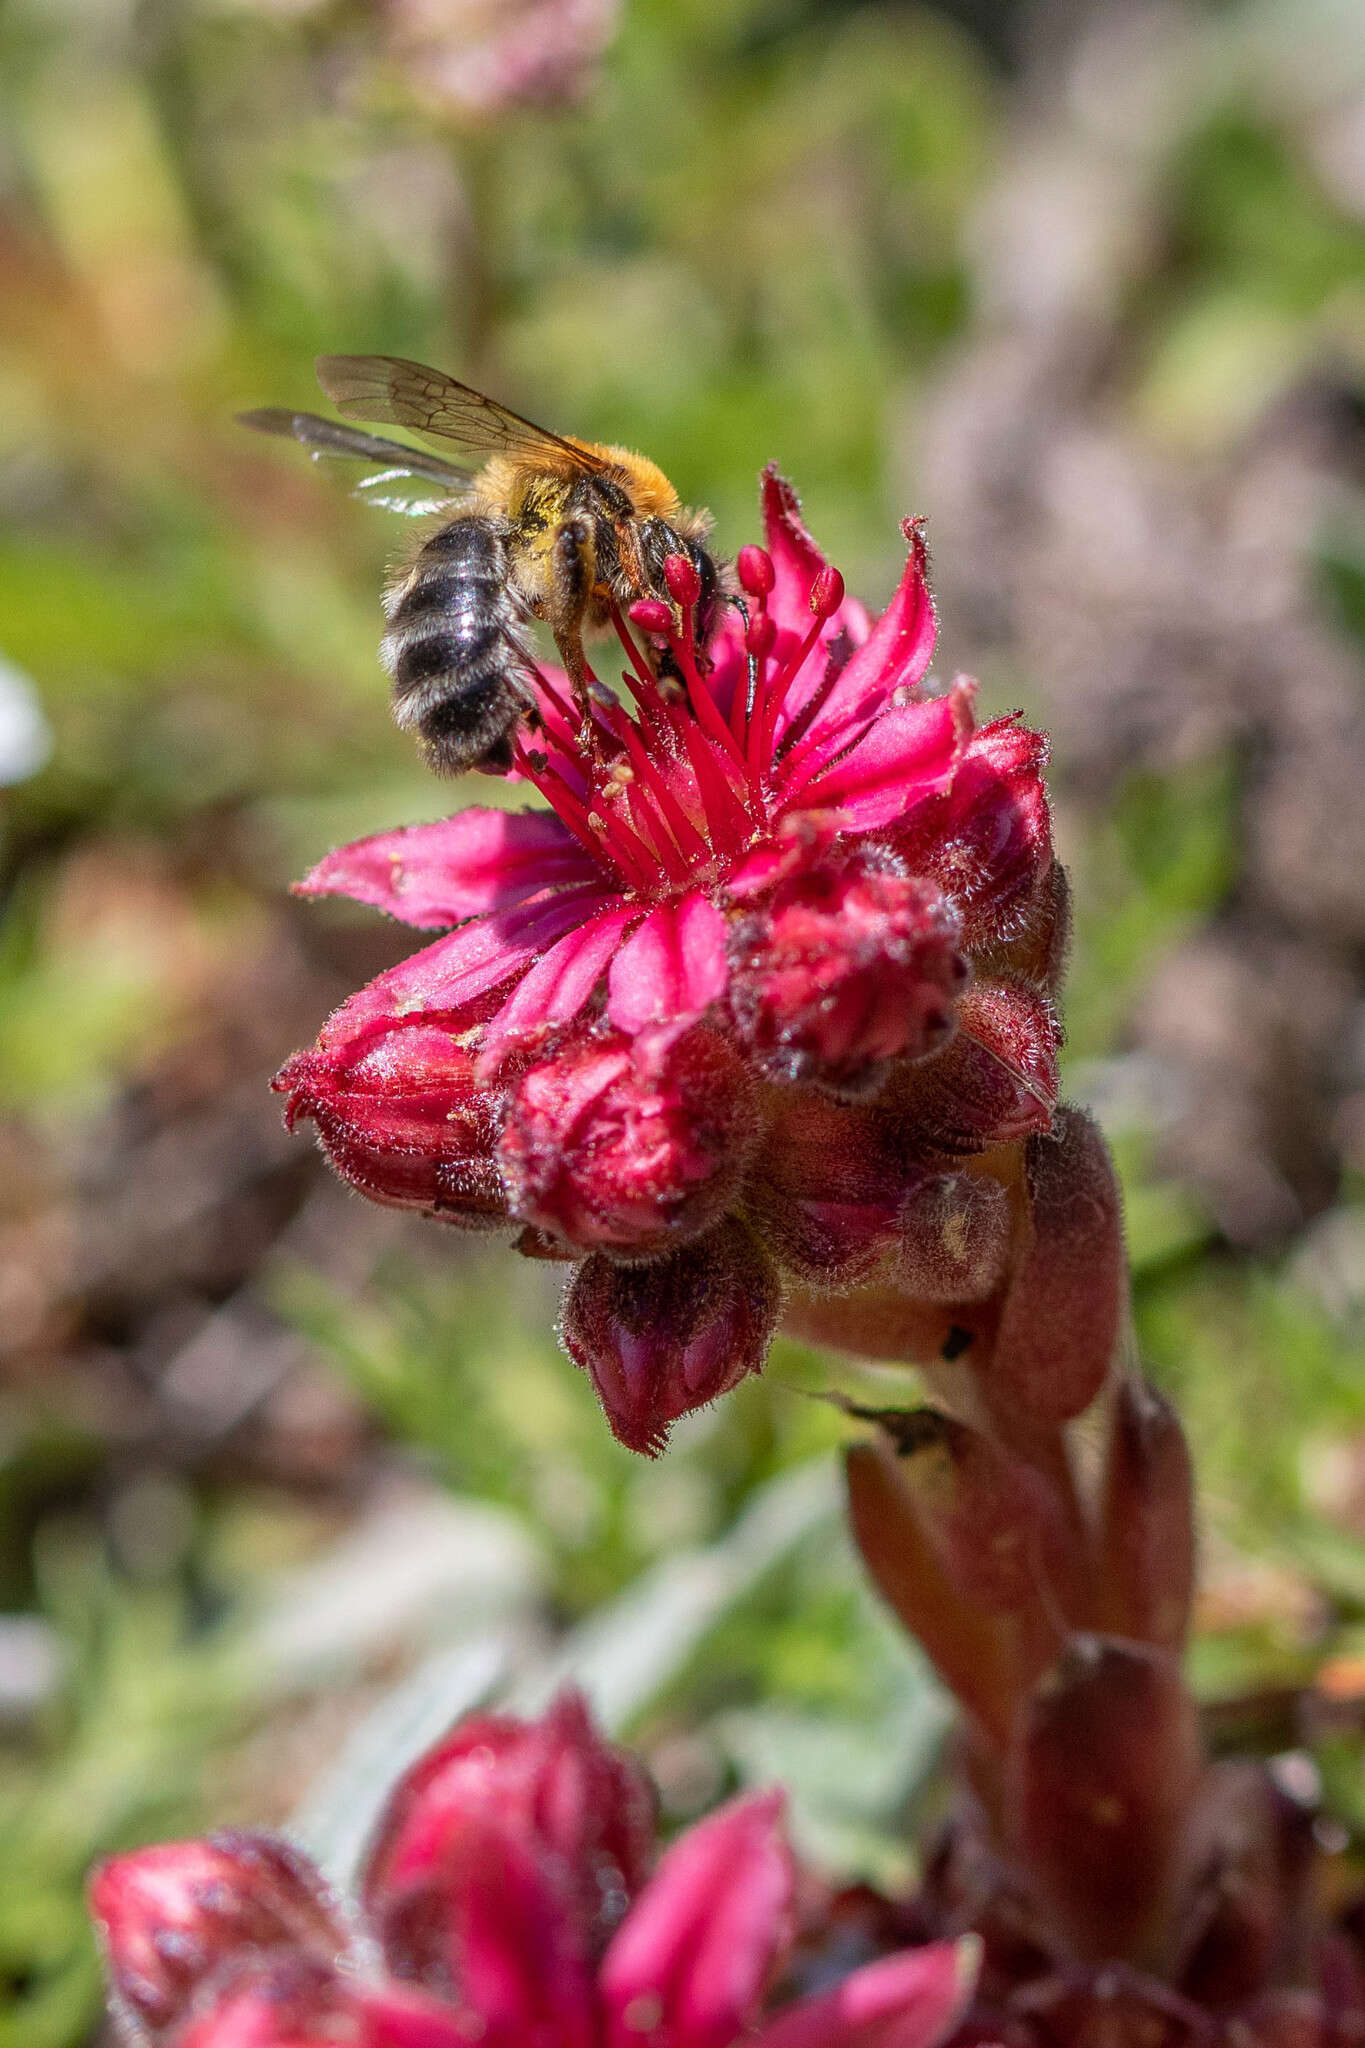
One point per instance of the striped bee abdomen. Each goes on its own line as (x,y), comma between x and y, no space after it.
(452,649)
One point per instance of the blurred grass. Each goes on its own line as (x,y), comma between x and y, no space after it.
(753,241)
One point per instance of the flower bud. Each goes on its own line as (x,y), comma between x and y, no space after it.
(661,1339)
(954,1238)
(404,1122)
(847,967)
(826,1190)
(1062,1314)
(607,1150)
(1102,1776)
(987,840)
(997,1081)
(1147,1520)
(170,1916)
(569,1796)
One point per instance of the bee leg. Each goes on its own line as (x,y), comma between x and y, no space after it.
(573,571)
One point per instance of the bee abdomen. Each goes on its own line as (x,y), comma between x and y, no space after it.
(452,650)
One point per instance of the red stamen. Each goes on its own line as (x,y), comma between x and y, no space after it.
(785,680)
(690,842)
(754,567)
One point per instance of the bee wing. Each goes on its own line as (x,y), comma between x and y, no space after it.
(388,388)
(330,438)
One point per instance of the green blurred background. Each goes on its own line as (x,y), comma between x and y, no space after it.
(286,1481)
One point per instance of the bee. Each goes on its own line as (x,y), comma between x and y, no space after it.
(545,527)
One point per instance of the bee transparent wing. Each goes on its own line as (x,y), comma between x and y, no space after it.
(410,480)
(429,402)
(399,490)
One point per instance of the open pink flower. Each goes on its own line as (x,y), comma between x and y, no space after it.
(787,876)
(507,1899)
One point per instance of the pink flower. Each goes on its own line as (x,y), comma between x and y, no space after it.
(507,1899)
(481,58)
(789,892)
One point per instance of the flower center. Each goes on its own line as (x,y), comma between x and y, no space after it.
(671,794)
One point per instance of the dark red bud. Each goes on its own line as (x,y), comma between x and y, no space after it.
(605,1150)
(826,1190)
(661,1339)
(827,593)
(683,581)
(652,615)
(1066,1298)
(954,1238)
(1147,1520)
(1102,1778)
(405,1122)
(172,1916)
(754,567)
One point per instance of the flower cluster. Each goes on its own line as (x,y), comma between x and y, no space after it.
(722,1022)
(508,1899)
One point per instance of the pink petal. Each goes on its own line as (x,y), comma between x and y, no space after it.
(905,2001)
(517,1947)
(797,562)
(436,875)
(692,1958)
(907,754)
(456,970)
(671,969)
(559,984)
(894,657)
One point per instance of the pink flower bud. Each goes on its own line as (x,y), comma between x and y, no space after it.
(404,1122)
(555,1783)
(661,1339)
(847,967)
(604,1148)
(170,1916)
(987,841)
(954,1238)
(1102,1780)
(826,1190)
(754,567)
(651,614)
